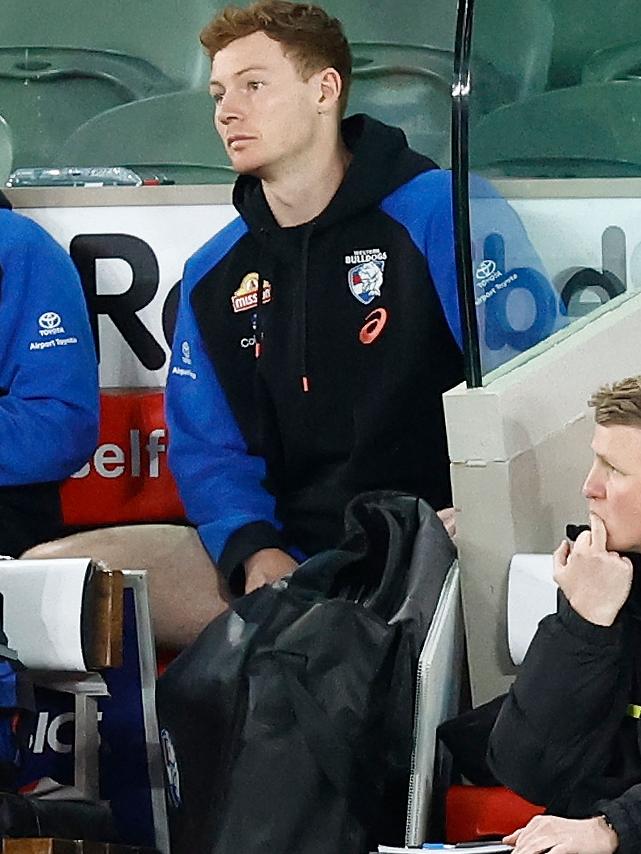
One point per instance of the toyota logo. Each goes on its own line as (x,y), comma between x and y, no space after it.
(49,320)
(485,269)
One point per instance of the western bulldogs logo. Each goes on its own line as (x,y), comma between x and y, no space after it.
(366,280)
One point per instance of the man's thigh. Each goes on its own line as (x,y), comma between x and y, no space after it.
(185,588)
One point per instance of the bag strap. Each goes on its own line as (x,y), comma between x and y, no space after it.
(334,756)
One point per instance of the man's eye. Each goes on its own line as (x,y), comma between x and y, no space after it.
(255,84)
(217,97)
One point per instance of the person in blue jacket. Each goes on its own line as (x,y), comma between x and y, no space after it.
(318,331)
(48,381)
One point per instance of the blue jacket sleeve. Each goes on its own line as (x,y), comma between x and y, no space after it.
(515,303)
(48,372)
(220,482)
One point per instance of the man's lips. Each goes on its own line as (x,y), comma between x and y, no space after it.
(236,140)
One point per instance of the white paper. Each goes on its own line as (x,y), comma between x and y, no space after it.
(42,611)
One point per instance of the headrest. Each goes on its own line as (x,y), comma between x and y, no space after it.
(531,596)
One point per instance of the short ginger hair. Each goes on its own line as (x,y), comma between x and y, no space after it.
(311,38)
(619,403)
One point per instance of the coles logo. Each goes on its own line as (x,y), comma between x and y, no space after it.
(374,324)
(50,323)
(246,296)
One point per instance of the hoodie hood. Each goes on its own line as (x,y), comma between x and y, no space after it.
(4,201)
(381,162)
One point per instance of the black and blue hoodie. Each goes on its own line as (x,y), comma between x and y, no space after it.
(48,381)
(309,362)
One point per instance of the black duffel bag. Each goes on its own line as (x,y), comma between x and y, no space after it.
(287,725)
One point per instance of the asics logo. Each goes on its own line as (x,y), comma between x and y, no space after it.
(373,326)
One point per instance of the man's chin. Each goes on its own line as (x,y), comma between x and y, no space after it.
(246,167)
(621,545)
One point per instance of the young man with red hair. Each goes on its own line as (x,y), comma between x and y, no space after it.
(321,326)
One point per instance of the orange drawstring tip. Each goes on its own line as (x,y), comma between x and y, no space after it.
(305,383)
(257,350)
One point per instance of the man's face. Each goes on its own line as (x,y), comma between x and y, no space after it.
(265,113)
(613,484)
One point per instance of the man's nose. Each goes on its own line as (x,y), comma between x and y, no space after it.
(594,485)
(228,109)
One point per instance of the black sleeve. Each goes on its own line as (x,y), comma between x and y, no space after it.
(624,813)
(243,543)
(558,720)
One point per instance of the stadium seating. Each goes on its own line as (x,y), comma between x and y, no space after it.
(59,69)
(169,134)
(407,87)
(46,94)
(614,63)
(516,40)
(164,33)
(410,23)
(579,132)
(399,84)
(582,27)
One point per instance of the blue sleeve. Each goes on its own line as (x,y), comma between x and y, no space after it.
(48,372)
(220,482)
(516,306)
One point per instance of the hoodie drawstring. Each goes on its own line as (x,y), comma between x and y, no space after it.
(302,291)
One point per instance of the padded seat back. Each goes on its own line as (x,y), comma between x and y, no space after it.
(45,94)
(582,27)
(584,131)
(163,32)
(172,134)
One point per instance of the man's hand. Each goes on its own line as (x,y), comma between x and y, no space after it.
(265,566)
(564,836)
(448,517)
(595,582)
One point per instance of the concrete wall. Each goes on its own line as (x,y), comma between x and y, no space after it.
(520,450)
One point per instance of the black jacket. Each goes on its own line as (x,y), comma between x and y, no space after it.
(562,738)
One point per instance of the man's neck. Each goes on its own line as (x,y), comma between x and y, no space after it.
(302,192)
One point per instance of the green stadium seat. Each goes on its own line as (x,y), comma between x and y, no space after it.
(6,151)
(513,38)
(62,63)
(46,93)
(170,135)
(408,87)
(143,134)
(583,27)
(622,62)
(413,22)
(162,32)
(579,132)
(516,39)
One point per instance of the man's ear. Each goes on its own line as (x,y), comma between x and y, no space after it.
(330,86)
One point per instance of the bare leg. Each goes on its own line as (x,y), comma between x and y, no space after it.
(185,588)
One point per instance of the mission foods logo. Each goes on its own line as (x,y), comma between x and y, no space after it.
(246,296)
